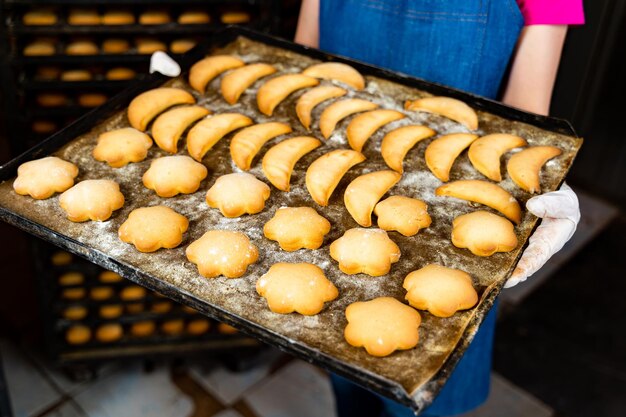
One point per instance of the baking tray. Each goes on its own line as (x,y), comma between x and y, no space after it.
(412,377)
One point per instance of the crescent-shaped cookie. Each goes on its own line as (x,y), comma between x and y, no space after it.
(312,98)
(443,151)
(397,143)
(367,251)
(365,191)
(341,109)
(485,153)
(277,89)
(237,194)
(486,193)
(152,228)
(280,159)
(169,126)
(209,131)
(337,71)
(448,107)
(364,125)
(483,233)
(147,105)
(203,71)
(325,172)
(248,142)
(41,178)
(236,82)
(524,166)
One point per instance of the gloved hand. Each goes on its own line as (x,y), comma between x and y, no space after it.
(163,63)
(560,213)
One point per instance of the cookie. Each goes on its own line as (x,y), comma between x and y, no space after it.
(117,17)
(82,47)
(324,174)
(237,81)
(203,71)
(450,108)
(272,92)
(169,126)
(39,17)
(43,177)
(339,110)
(78,335)
(100,293)
(483,233)
(363,126)
(337,71)
(248,142)
(148,46)
(443,151)
(83,17)
(39,48)
(365,191)
(92,200)
(172,175)
(222,252)
(279,161)
(485,153)
(75,313)
(152,228)
(235,17)
(76,75)
(300,287)
(143,328)
(115,46)
(440,290)
(198,326)
(367,251)
(154,17)
(209,131)
(110,311)
(297,228)
(237,194)
(110,332)
(120,73)
(313,97)
(193,17)
(402,214)
(143,108)
(122,146)
(524,167)
(180,46)
(382,326)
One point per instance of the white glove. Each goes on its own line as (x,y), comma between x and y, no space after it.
(561,214)
(163,63)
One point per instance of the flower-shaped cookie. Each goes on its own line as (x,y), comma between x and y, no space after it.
(222,252)
(368,251)
(237,194)
(483,233)
(43,177)
(382,325)
(402,214)
(152,228)
(119,147)
(302,288)
(92,200)
(171,175)
(296,228)
(440,290)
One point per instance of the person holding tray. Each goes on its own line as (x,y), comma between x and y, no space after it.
(469,45)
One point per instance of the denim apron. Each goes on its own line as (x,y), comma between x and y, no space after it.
(464,44)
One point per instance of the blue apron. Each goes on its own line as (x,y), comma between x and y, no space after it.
(464,44)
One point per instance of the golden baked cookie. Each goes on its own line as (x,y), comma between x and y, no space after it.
(86,17)
(109,277)
(448,107)
(172,175)
(154,17)
(82,47)
(152,228)
(61,258)
(367,251)
(222,252)
(180,46)
(300,287)
(122,146)
(237,81)
(237,194)
(279,161)
(115,46)
(117,17)
(226,329)
(248,142)
(76,75)
(440,290)
(92,200)
(402,214)
(143,328)
(73,293)
(524,166)
(203,71)
(483,233)
(169,126)
(148,46)
(110,311)
(78,335)
(75,313)
(382,326)
(134,308)
(339,110)
(209,131)
(313,97)
(120,73)
(133,292)
(110,332)
(52,99)
(443,151)
(194,17)
(363,126)
(91,99)
(272,92)
(161,307)
(173,327)
(296,228)
(101,293)
(235,17)
(43,177)
(198,326)
(143,108)
(364,192)
(39,17)
(71,278)
(485,153)
(324,174)
(338,72)
(40,48)
(44,127)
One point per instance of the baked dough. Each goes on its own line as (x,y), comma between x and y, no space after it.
(169,126)
(194,17)
(338,72)
(180,46)
(83,47)
(153,228)
(226,329)
(397,143)
(119,147)
(448,107)
(203,71)
(75,313)
(440,290)
(133,292)
(172,175)
(402,214)
(341,109)
(115,46)
(40,48)
(101,293)
(312,98)
(78,335)
(486,193)
(109,332)
(272,92)
(47,72)
(86,17)
(147,46)
(382,326)
(110,277)
(443,151)
(237,194)
(44,127)
(154,17)
(364,125)
(280,159)
(118,17)
(248,142)
(52,99)
(198,326)
(43,177)
(483,233)
(39,17)
(325,172)
(110,311)
(173,327)
(76,75)
(234,18)
(92,200)
(209,131)
(143,328)
(72,278)
(120,73)
(222,252)
(485,153)
(365,191)
(524,166)
(297,228)
(237,81)
(367,251)
(300,287)
(147,105)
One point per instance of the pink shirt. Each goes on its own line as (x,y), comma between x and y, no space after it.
(552,12)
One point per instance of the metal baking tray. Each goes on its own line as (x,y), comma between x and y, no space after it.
(412,377)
